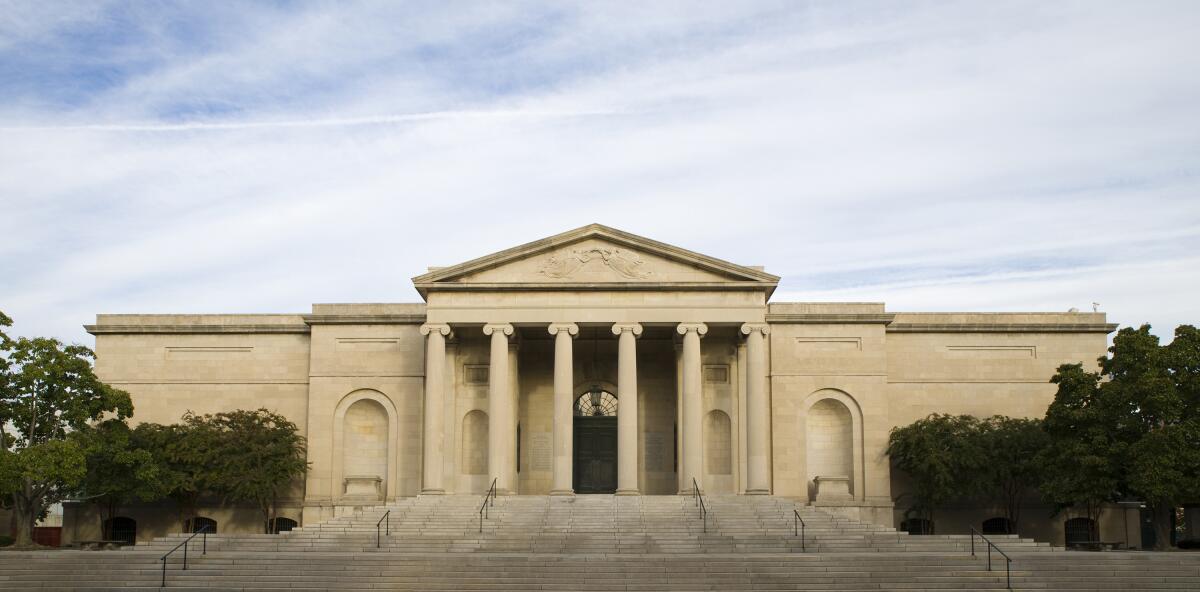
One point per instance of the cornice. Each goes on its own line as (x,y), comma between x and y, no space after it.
(193,329)
(381,319)
(830,318)
(594,286)
(1002,328)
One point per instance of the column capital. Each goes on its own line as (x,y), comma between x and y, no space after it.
(684,328)
(749,328)
(505,328)
(635,328)
(442,328)
(571,328)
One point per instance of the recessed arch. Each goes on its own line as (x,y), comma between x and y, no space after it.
(718,443)
(831,431)
(388,483)
(474,451)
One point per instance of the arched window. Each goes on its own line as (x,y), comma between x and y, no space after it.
(1080,530)
(718,447)
(596,403)
(195,524)
(997,525)
(121,529)
(281,524)
(917,526)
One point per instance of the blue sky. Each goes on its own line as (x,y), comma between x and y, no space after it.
(260,157)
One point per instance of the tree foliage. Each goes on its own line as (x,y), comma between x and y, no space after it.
(942,455)
(118,470)
(47,390)
(1010,447)
(186,455)
(1131,429)
(258,455)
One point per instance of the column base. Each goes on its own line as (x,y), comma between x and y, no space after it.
(433,492)
(757,492)
(562,492)
(627,492)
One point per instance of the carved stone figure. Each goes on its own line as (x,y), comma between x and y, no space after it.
(625,263)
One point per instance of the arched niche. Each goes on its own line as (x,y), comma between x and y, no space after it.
(364,418)
(365,449)
(718,443)
(475,443)
(832,433)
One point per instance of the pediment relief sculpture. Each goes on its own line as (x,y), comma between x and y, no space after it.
(627,264)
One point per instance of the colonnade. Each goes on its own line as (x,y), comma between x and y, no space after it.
(502,412)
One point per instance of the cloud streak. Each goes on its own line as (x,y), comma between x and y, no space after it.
(259,157)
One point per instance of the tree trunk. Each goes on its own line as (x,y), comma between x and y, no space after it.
(25,517)
(1162,525)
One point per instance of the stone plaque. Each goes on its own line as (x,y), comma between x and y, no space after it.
(656,452)
(541,446)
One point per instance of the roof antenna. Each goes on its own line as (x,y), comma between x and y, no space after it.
(1095,307)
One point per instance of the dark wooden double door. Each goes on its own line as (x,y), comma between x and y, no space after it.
(595,454)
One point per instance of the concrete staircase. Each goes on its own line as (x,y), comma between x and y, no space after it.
(596,543)
(600,524)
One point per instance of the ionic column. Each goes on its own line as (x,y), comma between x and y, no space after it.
(627,407)
(435,386)
(693,412)
(564,386)
(757,410)
(501,439)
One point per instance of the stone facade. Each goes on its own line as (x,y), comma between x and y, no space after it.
(712,381)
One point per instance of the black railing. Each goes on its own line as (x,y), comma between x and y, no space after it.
(699,497)
(387,521)
(483,508)
(990,546)
(798,527)
(203,551)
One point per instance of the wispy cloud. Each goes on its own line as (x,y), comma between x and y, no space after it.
(260,157)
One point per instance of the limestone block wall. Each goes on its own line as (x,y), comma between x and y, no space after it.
(720,391)
(367,380)
(990,364)
(656,414)
(171,364)
(985,364)
(466,423)
(828,372)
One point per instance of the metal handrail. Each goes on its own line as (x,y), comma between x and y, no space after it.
(388,527)
(990,546)
(699,497)
(491,495)
(203,551)
(799,523)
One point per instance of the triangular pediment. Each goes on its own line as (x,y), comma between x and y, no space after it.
(595,256)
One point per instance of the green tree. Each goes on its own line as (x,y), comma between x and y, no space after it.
(47,389)
(943,457)
(118,471)
(1081,461)
(1010,470)
(186,455)
(1130,429)
(260,454)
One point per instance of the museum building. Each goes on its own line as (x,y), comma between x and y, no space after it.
(593,361)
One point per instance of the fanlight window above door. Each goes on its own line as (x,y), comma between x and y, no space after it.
(596,403)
